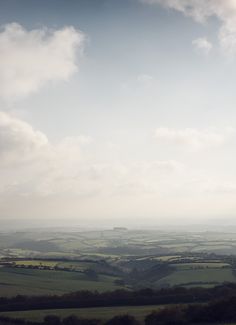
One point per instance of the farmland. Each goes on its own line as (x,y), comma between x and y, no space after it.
(40,263)
(198,277)
(46,262)
(39,277)
(40,282)
(113,243)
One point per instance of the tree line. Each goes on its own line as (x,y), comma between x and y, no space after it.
(82,299)
(216,312)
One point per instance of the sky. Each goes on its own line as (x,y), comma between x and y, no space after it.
(117,111)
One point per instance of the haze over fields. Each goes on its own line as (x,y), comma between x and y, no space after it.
(117,112)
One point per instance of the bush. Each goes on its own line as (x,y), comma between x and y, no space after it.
(71,320)
(122,320)
(91,274)
(52,320)
(74,320)
(167,316)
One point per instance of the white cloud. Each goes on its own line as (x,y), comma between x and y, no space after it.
(69,174)
(18,140)
(31,164)
(202,45)
(194,138)
(47,169)
(145,78)
(201,10)
(64,168)
(220,187)
(31,58)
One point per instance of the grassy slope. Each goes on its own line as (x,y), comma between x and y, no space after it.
(102,313)
(64,264)
(183,277)
(37,282)
(36,263)
(200,265)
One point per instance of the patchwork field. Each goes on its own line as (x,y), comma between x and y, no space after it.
(60,262)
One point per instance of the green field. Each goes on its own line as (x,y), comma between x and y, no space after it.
(36,263)
(71,277)
(167,258)
(101,313)
(14,281)
(198,277)
(198,265)
(65,264)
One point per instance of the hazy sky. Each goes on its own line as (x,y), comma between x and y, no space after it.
(117,110)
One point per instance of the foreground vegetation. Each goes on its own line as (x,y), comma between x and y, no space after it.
(218,312)
(88,299)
